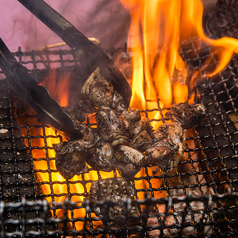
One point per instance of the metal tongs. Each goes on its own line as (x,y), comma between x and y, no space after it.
(89,54)
(35,95)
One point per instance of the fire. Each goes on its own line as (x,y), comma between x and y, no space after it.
(58,91)
(156,31)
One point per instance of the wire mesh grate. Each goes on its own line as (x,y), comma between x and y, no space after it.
(205,217)
(197,198)
(203,170)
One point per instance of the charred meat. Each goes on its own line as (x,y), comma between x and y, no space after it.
(112,127)
(124,139)
(71,156)
(117,190)
(132,114)
(70,159)
(101,157)
(168,146)
(186,115)
(141,141)
(129,161)
(98,92)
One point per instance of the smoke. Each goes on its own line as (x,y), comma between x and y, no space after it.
(106,20)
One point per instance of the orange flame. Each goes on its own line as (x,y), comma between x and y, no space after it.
(58,89)
(157,28)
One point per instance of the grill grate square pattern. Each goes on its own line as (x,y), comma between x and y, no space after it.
(198,198)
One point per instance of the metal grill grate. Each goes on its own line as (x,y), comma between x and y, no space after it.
(208,167)
(153,225)
(198,198)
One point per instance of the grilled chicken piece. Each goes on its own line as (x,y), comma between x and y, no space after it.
(142,125)
(186,115)
(71,156)
(118,190)
(129,161)
(132,114)
(101,157)
(141,141)
(168,146)
(112,127)
(98,92)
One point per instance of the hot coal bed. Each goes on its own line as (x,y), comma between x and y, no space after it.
(197,199)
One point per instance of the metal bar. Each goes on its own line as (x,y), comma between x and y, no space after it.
(36,96)
(90,55)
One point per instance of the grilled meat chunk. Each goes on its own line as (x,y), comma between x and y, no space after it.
(98,92)
(132,114)
(123,139)
(141,141)
(117,190)
(112,127)
(117,102)
(142,125)
(71,156)
(101,157)
(168,146)
(70,159)
(186,115)
(129,161)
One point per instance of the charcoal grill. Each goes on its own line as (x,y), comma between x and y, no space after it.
(198,199)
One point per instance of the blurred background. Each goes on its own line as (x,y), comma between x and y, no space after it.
(106,20)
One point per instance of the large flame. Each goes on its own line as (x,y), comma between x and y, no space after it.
(156,30)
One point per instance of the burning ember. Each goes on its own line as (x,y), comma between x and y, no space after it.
(161,77)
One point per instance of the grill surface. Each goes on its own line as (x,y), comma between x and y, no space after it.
(198,198)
